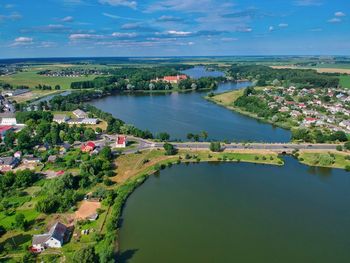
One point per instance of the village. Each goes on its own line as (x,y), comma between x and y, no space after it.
(323,108)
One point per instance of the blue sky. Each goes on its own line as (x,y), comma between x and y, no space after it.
(59,28)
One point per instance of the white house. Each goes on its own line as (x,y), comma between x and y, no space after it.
(8,119)
(60,118)
(53,239)
(80,114)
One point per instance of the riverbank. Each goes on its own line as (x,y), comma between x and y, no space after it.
(227,99)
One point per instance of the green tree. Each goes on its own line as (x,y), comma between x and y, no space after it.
(169,149)
(215,146)
(85,255)
(204,135)
(163,136)
(347,146)
(10,138)
(20,221)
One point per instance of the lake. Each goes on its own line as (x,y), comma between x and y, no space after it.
(239,212)
(182,113)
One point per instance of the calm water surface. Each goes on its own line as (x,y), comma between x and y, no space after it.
(244,213)
(181,113)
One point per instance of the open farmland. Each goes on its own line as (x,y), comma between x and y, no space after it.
(31,79)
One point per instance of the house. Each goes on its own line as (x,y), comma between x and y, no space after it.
(8,163)
(88,147)
(80,114)
(60,118)
(310,120)
(284,109)
(345,124)
(52,158)
(8,118)
(90,121)
(173,79)
(121,141)
(31,160)
(4,130)
(14,92)
(17,155)
(53,239)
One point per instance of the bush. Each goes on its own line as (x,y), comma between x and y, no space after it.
(347,168)
(215,146)
(339,148)
(347,146)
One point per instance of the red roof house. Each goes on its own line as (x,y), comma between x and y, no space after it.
(174,79)
(4,130)
(88,147)
(121,141)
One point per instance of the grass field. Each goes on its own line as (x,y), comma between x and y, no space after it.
(345,81)
(312,159)
(31,79)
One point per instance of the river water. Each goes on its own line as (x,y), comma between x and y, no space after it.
(182,113)
(239,212)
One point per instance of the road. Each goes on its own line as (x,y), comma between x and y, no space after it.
(143,144)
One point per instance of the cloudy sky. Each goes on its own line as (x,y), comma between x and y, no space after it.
(46,28)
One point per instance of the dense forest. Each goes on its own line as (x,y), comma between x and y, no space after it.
(264,76)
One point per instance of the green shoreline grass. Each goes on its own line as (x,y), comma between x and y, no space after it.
(245,113)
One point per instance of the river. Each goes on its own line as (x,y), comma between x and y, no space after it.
(239,212)
(182,113)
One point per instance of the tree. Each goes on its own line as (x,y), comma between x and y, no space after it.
(85,255)
(163,136)
(204,135)
(106,153)
(2,231)
(215,146)
(57,87)
(20,221)
(169,149)
(190,136)
(347,146)
(28,258)
(10,139)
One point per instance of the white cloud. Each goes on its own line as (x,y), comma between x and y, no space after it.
(22,41)
(67,19)
(271,28)
(75,37)
(119,17)
(229,39)
(318,29)
(13,16)
(339,14)
(308,3)
(244,29)
(47,44)
(283,25)
(131,4)
(179,33)
(334,20)
(124,35)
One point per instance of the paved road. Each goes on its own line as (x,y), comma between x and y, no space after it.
(278,147)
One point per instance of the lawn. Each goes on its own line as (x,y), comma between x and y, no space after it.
(132,165)
(31,79)
(345,81)
(227,98)
(315,159)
